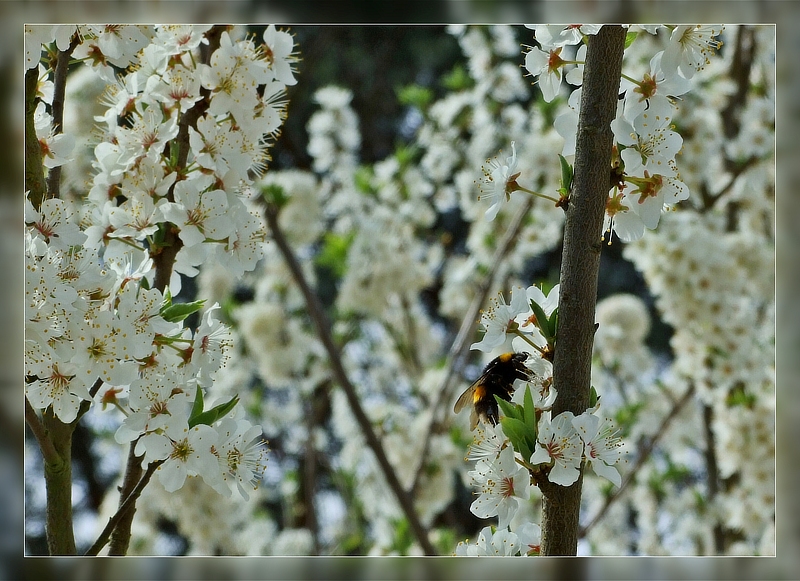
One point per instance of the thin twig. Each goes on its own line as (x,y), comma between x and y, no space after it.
(323,328)
(644,454)
(309,483)
(87,403)
(59,90)
(49,453)
(712,471)
(123,508)
(412,336)
(458,349)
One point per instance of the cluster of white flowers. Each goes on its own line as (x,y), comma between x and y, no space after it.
(724,347)
(646,144)
(93,324)
(623,362)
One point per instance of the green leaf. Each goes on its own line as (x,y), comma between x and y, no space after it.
(552,324)
(406,154)
(362,178)
(593,397)
(510,410)
(143,284)
(457,80)
(529,417)
(197,406)
(174,150)
(179,311)
(567,172)
(629,38)
(528,411)
(333,255)
(275,195)
(415,96)
(518,434)
(215,413)
(403,536)
(541,320)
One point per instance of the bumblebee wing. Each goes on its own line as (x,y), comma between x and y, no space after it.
(465,398)
(473,420)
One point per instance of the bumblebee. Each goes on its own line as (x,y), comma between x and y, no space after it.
(497,379)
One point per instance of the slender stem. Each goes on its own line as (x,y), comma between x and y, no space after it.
(545,196)
(644,453)
(712,471)
(527,339)
(459,348)
(120,532)
(412,335)
(59,89)
(324,331)
(309,488)
(631,79)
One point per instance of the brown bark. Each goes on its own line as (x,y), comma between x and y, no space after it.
(580,264)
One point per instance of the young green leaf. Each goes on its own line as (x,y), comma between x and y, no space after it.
(529,417)
(528,411)
(274,194)
(179,311)
(566,174)
(510,410)
(593,397)
(541,320)
(517,432)
(197,406)
(215,413)
(552,324)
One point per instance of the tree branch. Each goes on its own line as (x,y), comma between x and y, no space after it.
(712,471)
(124,507)
(322,325)
(34,170)
(59,89)
(580,262)
(49,453)
(58,484)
